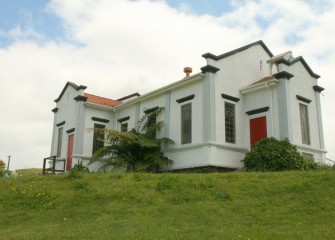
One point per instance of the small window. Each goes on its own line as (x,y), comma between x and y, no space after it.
(230,122)
(98,137)
(59,143)
(186,123)
(305,137)
(124,127)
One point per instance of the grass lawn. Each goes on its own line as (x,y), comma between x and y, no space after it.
(286,205)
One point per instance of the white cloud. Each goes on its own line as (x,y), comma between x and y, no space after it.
(18,33)
(119,47)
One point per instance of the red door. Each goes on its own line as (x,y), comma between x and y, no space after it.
(257,129)
(69,153)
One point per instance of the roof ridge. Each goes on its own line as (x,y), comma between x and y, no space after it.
(237,50)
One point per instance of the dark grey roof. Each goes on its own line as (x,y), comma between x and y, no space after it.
(75,86)
(302,60)
(227,54)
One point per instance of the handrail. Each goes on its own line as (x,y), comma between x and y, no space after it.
(53,168)
(330,160)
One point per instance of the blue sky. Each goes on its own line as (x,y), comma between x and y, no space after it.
(117,47)
(29,14)
(35,14)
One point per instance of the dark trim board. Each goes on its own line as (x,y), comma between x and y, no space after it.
(149,110)
(123,119)
(304,63)
(303,99)
(60,124)
(209,68)
(129,96)
(283,74)
(258,110)
(75,86)
(231,98)
(318,88)
(100,120)
(184,99)
(241,49)
(70,130)
(80,98)
(55,110)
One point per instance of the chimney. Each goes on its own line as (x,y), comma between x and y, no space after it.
(187,70)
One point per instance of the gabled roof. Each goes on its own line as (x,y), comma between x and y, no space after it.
(101,100)
(129,96)
(280,56)
(227,54)
(302,60)
(75,86)
(262,80)
(259,84)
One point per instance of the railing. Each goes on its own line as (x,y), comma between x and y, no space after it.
(330,160)
(53,168)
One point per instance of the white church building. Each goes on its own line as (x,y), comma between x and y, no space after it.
(213,116)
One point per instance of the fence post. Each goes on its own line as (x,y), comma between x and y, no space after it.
(53,164)
(44,161)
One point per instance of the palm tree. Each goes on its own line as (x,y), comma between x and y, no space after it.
(137,150)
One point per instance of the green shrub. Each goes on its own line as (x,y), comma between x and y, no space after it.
(271,154)
(2,168)
(79,167)
(2,165)
(78,171)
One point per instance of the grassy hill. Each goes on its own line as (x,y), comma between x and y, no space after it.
(287,205)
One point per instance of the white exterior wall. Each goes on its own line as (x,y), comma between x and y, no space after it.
(129,111)
(256,100)
(235,72)
(239,70)
(89,126)
(67,109)
(175,114)
(302,84)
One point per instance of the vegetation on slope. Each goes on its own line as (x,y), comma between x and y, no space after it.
(285,205)
(273,155)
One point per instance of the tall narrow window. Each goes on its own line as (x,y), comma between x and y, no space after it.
(152,117)
(98,137)
(59,143)
(230,122)
(186,123)
(304,124)
(124,127)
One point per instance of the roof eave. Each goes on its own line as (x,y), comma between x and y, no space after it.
(104,107)
(259,86)
(180,83)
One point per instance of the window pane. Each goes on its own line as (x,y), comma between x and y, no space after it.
(59,144)
(230,122)
(98,137)
(152,117)
(304,124)
(151,121)
(186,123)
(124,127)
